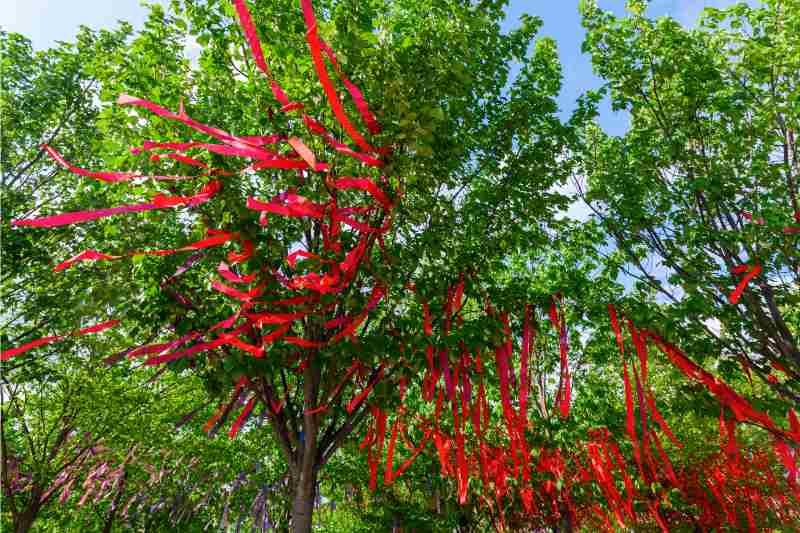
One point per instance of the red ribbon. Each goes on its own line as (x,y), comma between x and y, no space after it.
(356,401)
(8,354)
(108,176)
(366,185)
(159,202)
(523,366)
(315,46)
(319,129)
(86,255)
(241,418)
(414,454)
(358,98)
(752,271)
(741,408)
(258,55)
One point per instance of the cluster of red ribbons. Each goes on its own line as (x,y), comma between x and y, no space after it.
(450,379)
(340,224)
(308,274)
(725,489)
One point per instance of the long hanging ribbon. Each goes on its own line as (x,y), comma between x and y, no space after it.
(629,487)
(86,255)
(462,476)
(665,460)
(640,399)
(443,448)
(107,175)
(235,293)
(315,46)
(501,360)
(388,474)
(466,385)
(380,429)
(358,98)
(258,55)
(641,349)
(77,217)
(125,99)
(255,351)
(563,396)
(356,401)
(205,194)
(340,147)
(432,376)
(630,424)
(197,348)
(612,313)
(180,158)
(741,408)
(366,185)
(261,319)
(414,454)
(162,347)
(92,255)
(523,366)
(351,324)
(660,420)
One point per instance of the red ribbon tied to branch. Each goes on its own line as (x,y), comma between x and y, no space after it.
(749,271)
(8,354)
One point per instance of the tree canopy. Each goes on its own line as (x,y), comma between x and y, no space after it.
(345,223)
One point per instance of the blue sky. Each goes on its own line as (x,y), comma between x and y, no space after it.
(48,21)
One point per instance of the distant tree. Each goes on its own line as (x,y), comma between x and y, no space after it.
(700,196)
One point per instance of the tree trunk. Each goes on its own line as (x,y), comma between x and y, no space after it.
(24,520)
(567,522)
(307,462)
(112,512)
(303,500)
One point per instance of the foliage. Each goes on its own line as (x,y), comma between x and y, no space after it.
(472,252)
(703,187)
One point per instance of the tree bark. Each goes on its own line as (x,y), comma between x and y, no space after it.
(112,513)
(24,520)
(304,472)
(303,500)
(567,520)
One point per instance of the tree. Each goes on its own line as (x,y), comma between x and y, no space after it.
(108,445)
(700,195)
(47,98)
(58,424)
(435,146)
